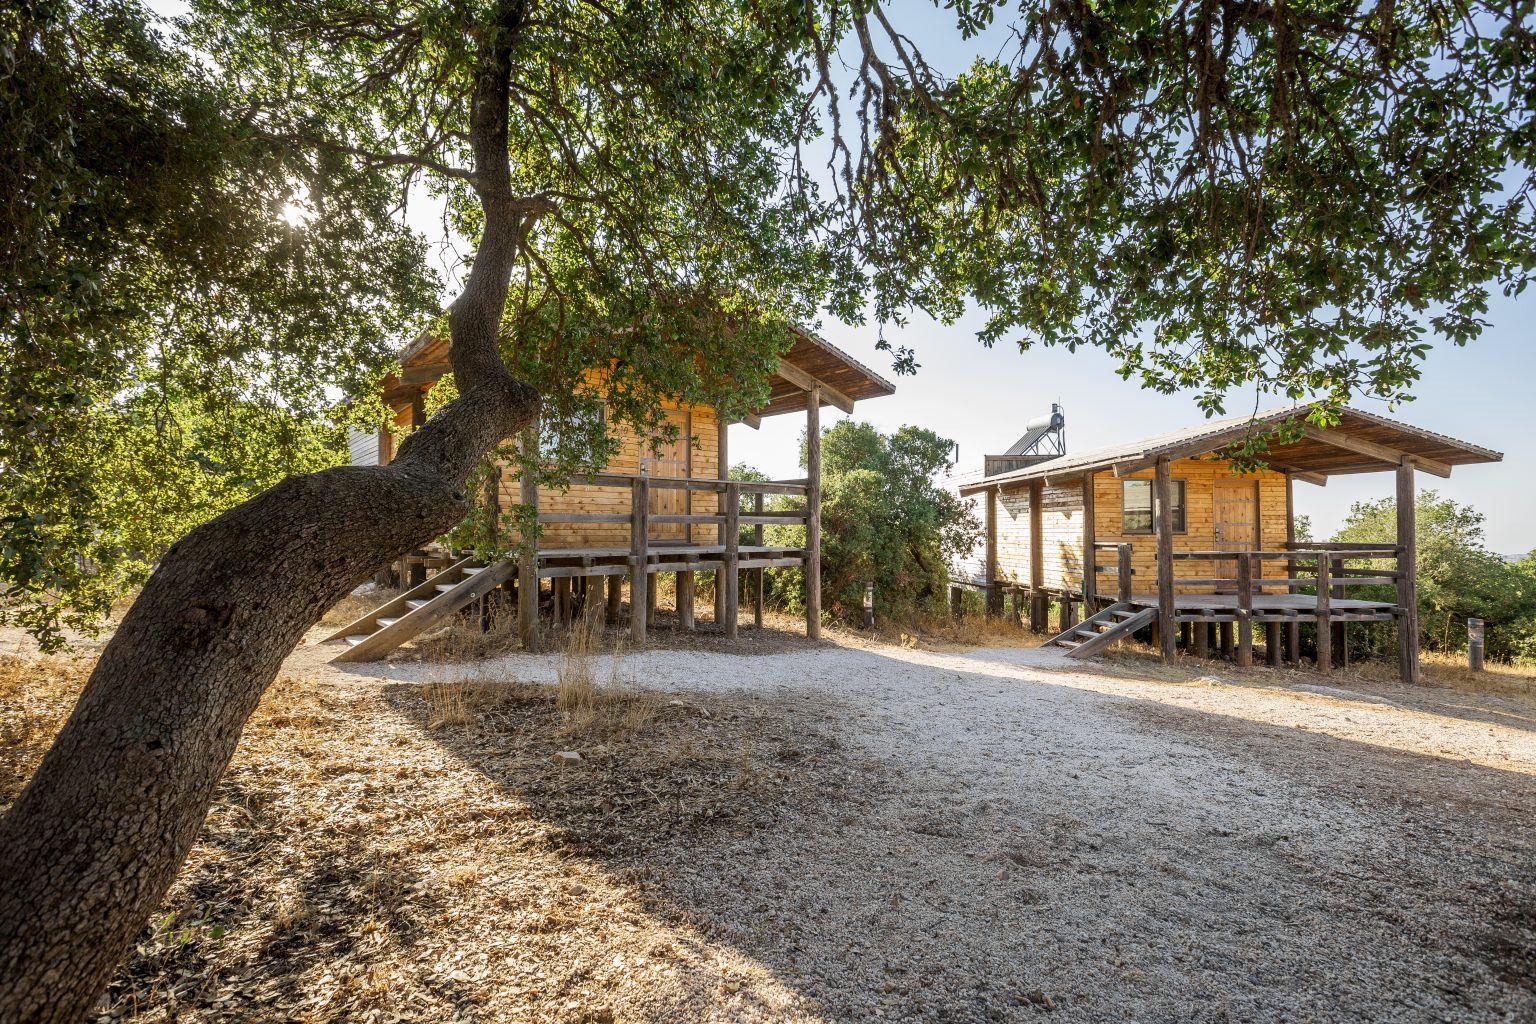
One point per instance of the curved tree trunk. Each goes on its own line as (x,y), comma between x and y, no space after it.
(91,846)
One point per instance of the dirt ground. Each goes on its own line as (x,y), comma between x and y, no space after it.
(842,833)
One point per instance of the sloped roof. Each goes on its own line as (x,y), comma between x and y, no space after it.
(1308,455)
(427,356)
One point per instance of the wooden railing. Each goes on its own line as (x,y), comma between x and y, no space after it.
(1121,570)
(1328,574)
(725,555)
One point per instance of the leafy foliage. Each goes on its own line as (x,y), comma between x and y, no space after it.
(170,337)
(884,521)
(1458,578)
(1298,196)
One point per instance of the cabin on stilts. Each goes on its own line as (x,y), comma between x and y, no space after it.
(661,505)
(1169,538)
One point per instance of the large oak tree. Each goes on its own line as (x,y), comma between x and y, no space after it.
(1219,192)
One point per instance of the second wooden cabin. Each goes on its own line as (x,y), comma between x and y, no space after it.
(1168,533)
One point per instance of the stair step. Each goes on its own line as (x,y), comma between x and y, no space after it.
(1122,616)
(471,570)
(1068,644)
(386,623)
(445,587)
(354,639)
(417,602)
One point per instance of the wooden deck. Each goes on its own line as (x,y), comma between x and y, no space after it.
(1269,608)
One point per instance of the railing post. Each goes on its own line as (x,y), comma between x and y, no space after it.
(813,514)
(757,574)
(1340,629)
(1125,573)
(1475,644)
(1324,615)
(731,574)
(639,531)
(1245,610)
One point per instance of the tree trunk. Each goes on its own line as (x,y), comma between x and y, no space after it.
(92,844)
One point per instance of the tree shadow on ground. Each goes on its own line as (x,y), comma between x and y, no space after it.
(1003,845)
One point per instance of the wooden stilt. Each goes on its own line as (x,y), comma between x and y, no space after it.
(1244,610)
(1202,639)
(1037,610)
(1407,570)
(1272,644)
(1162,483)
(615,598)
(639,527)
(757,574)
(562,585)
(1293,643)
(813,514)
(1324,617)
(1224,631)
(730,573)
(652,588)
(685,600)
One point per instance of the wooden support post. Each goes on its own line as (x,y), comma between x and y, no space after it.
(723,466)
(1186,635)
(562,599)
(685,600)
(527,555)
(956,603)
(813,514)
(1244,610)
(758,588)
(1068,612)
(1016,606)
(1340,629)
(869,606)
(652,587)
(1407,573)
(1038,606)
(1124,572)
(1163,498)
(639,532)
(1090,553)
(1324,616)
(1272,644)
(1475,641)
(615,598)
(730,573)
(1293,642)
(1202,639)
(1224,633)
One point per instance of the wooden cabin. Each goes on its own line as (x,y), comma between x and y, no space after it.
(1166,534)
(649,512)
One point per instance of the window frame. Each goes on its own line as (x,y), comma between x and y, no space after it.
(1179,512)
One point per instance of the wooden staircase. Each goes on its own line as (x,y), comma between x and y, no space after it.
(1101,629)
(419,609)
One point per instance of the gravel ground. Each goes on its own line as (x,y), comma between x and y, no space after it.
(1039,838)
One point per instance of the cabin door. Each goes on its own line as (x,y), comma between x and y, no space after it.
(1236,516)
(673,460)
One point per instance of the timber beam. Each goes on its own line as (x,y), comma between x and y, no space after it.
(1360,446)
(805,382)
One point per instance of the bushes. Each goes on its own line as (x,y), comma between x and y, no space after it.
(883,521)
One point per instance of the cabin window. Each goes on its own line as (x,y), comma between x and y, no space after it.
(1136,506)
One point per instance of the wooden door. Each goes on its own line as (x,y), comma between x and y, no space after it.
(673,460)
(1236,519)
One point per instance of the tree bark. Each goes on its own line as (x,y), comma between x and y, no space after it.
(92,844)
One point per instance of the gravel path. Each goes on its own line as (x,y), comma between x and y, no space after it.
(1041,839)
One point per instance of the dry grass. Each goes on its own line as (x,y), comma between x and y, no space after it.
(360,865)
(36,695)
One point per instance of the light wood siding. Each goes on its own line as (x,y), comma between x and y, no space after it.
(704,464)
(1061,530)
(1013,536)
(363,446)
(1199,478)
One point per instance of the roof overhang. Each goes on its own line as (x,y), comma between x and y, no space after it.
(1361,442)
(812,363)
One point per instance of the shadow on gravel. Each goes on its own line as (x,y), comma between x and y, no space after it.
(993,848)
